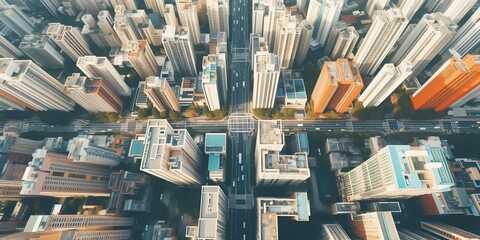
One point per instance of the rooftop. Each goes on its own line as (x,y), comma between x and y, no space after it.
(270,132)
(215,142)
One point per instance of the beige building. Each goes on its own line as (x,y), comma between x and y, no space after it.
(212,222)
(41,223)
(142,58)
(272,167)
(160,94)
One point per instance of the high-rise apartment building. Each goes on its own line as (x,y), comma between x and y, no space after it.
(322,14)
(8,50)
(375,5)
(96,234)
(93,94)
(272,167)
(157,6)
(129,4)
(42,51)
(294,89)
(338,84)
(52,174)
(6,104)
(93,66)
(455,79)
(178,45)
(216,148)
(384,83)
(169,15)
(17,149)
(212,220)
(386,28)
(142,58)
(409,7)
(160,94)
(342,40)
(334,232)
(287,37)
(397,171)
(212,79)
(454,9)
(269,209)
(69,39)
(466,38)
(306,33)
(25,83)
(101,32)
(171,154)
(266,72)
(265,15)
(41,223)
(218,16)
(133,25)
(425,41)
(130,192)
(13,19)
(447,231)
(83,150)
(373,225)
(189,19)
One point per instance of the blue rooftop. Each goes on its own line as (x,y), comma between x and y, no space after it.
(303,206)
(213,162)
(215,142)
(302,141)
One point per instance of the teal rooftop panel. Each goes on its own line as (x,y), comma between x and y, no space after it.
(303,206)
(213,162)
(302,141)
(215,142)
(136,148)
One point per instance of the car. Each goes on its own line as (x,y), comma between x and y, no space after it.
(244,224)
(422,128)
(161,196)
(241,168)
(233,89)
(236,84)
(146,227)
(319,151)
(243,84)
(233,183)
(236,74)
(243,177)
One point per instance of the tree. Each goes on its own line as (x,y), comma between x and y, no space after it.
(142,113)
(155,113)
(357,106)
(331,114)
(259,112)
(164,114)
(191,112)
(288,113)
(174,115)
(112,116)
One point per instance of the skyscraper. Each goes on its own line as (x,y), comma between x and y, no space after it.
(212,221)
(25,83)
(455,79)
(447,231)
(266,71)
(42,51)
(265,15)
(83,150)
(40,223)
(134,24)
(93,94)
(342,40)
(101,32)
(306,33)
(169,15)
(287,37)
(161,94)
(374,5)
(157,6)
(93,66)
(384,83)
(142,58)
(129,4)
(454,9)
(69,39)
(218,16)
(466,38)
(171,154)
(8,50)
(386,28)
(189,19)
(322,14)
(178,45)
(14,19)
(409,7)
(397,171)
(425,41)
(378,225)
(338,84)
(52,174)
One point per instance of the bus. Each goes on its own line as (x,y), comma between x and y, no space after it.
(240,158)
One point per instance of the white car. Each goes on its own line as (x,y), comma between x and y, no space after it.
(233,89)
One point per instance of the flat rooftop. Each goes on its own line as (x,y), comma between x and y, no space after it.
(295,164)
(215,142)
(271,132)
(209,212)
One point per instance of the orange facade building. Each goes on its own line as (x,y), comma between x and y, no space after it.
(337,86)
(450,83)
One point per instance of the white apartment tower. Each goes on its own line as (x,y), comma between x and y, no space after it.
(212,220)
(454,9)
(101,32)
(171,154)
(374,5)
(322,14)
(342,40)
(218,16)
(157,6)
(93,94)
(14,19)
(93,66)
(266,71)
(178,45)
(409,7)
(189,18)
(466,38)
(306,33)
(211,82)
(142,58)
(397,171)
(41,223)
(83,151)
(386,28)
(52,174)
(8,50)
(25,83)
(160,94)
(265,16)
(287,37)
(42,51)
(129,4)
(69,39)
(169,15)
(425,41)
(384,83)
